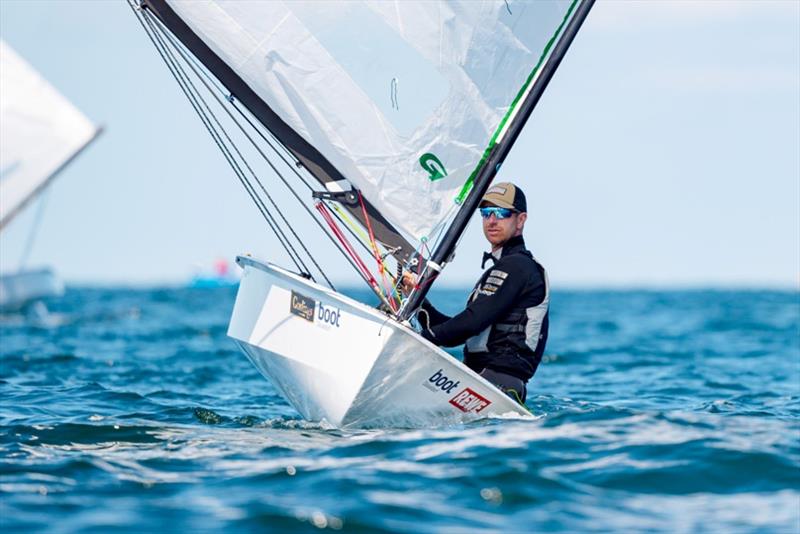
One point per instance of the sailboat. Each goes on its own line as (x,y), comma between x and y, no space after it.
(386,122)
(41,133)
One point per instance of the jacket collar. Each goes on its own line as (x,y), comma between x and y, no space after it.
(513,245)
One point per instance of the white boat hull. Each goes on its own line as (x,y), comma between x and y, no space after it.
(337,360)
(20,288)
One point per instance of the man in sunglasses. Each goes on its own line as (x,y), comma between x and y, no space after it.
(504,326)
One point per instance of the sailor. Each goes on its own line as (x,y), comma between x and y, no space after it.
(504,326)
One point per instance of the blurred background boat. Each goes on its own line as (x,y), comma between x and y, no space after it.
(219,275)
(42,133)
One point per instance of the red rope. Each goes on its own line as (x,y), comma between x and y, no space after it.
(375,251)
(362,268)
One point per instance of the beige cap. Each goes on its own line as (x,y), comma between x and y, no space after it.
(506,195)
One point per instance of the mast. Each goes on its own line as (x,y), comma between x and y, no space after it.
(498,154)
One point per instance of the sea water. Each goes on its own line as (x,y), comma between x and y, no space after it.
(658,411)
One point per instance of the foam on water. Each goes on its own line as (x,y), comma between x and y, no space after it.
(657,411)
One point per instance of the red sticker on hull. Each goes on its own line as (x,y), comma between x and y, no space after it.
(469,401)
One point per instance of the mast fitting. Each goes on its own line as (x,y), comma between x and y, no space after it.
(348,198)
(435,266)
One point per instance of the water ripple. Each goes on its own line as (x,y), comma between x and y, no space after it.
(656,411)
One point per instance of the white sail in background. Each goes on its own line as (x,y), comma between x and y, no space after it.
(402,98)
(40,131)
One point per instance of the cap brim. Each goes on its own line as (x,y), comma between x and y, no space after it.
(497,202)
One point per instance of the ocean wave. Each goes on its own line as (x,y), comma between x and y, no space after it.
(656,411)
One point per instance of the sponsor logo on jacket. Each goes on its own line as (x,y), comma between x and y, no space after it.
(469,401)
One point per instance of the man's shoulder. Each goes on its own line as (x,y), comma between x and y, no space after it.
(522,258)
(522,266)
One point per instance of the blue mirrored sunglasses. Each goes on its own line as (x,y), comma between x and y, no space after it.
(499,213)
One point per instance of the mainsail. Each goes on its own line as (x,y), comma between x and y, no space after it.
(41,131)
(409,106)
(401,98)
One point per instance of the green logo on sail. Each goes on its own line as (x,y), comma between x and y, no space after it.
(431,163)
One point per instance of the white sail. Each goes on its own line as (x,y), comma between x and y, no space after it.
(402,98)
(40,131)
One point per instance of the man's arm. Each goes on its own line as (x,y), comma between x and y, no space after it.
(428,316)
(498,294)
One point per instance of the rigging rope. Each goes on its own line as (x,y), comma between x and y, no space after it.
(201,73)
(292,166)
(169,48)
(381,267)
(34,229)
(363,269)
(355,229)
(264,190)
(193,94)
(192,100)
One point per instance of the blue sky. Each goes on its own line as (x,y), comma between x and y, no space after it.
(666,152)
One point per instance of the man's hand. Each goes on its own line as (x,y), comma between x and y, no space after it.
(408,282)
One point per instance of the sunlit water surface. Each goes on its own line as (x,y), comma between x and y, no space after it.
(659,411)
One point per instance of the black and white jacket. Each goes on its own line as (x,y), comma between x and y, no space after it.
(504,326)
